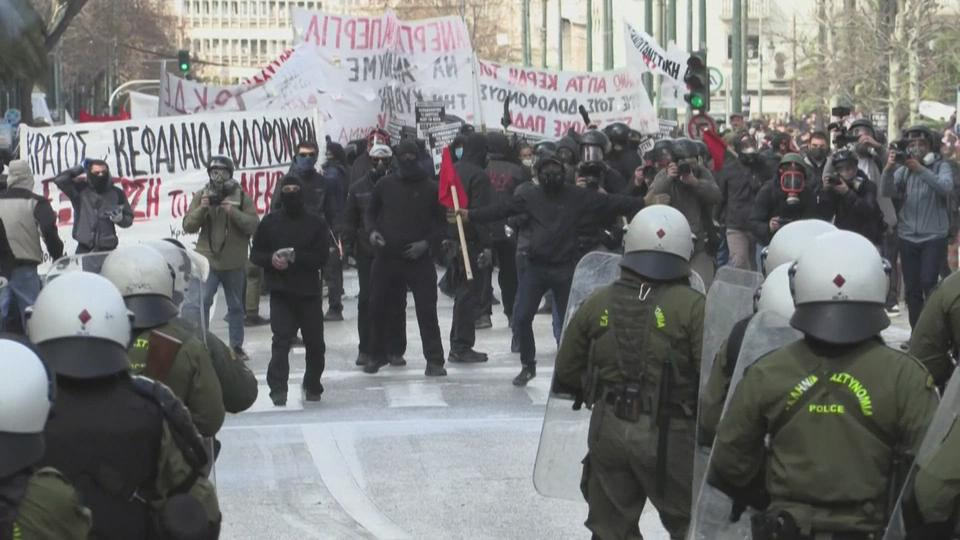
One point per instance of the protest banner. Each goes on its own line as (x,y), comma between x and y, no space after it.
(645,54)
(161,162)
(403,62)
(545,104)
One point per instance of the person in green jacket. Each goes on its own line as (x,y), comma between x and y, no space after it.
(936,491)
(937,332)
(162,349)
(226,219)
(640,339)
(816,432)
(35,503)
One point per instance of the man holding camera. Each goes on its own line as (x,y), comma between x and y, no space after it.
(99,207)
(920,184)
(693,191)
(849,198)
(225,217)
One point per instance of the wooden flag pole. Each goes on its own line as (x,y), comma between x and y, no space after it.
(463,237)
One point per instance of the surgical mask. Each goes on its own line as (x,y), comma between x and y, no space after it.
(458,152)
(791,183)
(528,162)
(305,163)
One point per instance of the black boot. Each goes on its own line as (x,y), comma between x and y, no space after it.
(468,356)
(279,399)
(396,360)
(483,322)
(312,395)
(333,315)
(374,363)
(435,370)
(255,320)
(362,359)
(528,372)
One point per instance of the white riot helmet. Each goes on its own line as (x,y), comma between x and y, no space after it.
(26,391)
(774,293)
(146,282)
(179,261)
(658,243)
(839,286)
(791,241)
(81,326)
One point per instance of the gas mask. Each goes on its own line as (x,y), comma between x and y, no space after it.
(565,155)
(379,168)
(791,183)
(918,149)
(218,177)
(551,177)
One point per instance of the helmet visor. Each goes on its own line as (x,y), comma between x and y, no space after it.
(591,153)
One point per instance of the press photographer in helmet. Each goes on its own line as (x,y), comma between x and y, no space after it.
(593,167)
(921,187)
(849,198)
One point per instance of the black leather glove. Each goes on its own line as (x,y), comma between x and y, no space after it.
(415,250)
(376,239)
(485,259)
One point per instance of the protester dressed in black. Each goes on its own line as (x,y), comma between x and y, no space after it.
(403,217)
(291,246)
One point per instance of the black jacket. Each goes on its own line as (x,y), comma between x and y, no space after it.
(554,218)
(472,171)
(857,211)
(405,210)
(7,261)
(739,185)
(772,202)
(308,235)
(351,227)
(505,176)
(625,162)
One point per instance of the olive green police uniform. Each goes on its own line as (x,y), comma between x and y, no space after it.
(937,484)
(840,421)
(624,337)
(937,332)
(51,510)
(191,375)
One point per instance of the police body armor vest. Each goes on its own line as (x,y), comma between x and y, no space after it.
(12,491)
(105,438)
(646,346)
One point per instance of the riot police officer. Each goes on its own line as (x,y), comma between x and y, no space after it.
(937,332)
(165,348)
(815,431)
(640,339)
(34,503)
(126,442)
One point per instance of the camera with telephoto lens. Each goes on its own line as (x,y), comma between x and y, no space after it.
(843,137)
(899,149)
(684,169)
(215,198)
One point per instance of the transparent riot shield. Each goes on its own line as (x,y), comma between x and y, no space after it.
(943,420)
(710,520)
(729,300)
(563,438)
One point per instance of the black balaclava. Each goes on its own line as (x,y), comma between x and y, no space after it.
(102,181)
(408,169)
(292,203)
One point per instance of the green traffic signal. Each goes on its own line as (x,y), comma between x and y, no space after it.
(183,58)
(697,79)
(696,101)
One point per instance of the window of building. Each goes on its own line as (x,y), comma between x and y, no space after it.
(753,47)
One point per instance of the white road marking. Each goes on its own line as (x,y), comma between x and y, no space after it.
(336,473)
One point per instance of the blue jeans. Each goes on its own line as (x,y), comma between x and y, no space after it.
(536,280)
(233,282)
(522,263)
(921,271)
(20,293)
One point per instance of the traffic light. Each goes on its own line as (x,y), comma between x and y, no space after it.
(697,79)
(183,60)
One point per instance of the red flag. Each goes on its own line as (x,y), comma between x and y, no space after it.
(450,179)
(716,146)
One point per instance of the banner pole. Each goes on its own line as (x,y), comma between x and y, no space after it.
(463,237)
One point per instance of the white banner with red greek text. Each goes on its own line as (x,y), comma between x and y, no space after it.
(546,104)
(161,162)
(645,54)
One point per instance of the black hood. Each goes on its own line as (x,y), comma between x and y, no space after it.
(498,145)
(569,142)
(337,150)
(475,149)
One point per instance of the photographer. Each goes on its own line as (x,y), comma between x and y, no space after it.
(849,198)
(790,196)
(99,207)
(692,191)
(225,217)
(921,184)
(861,139)
(739,181)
